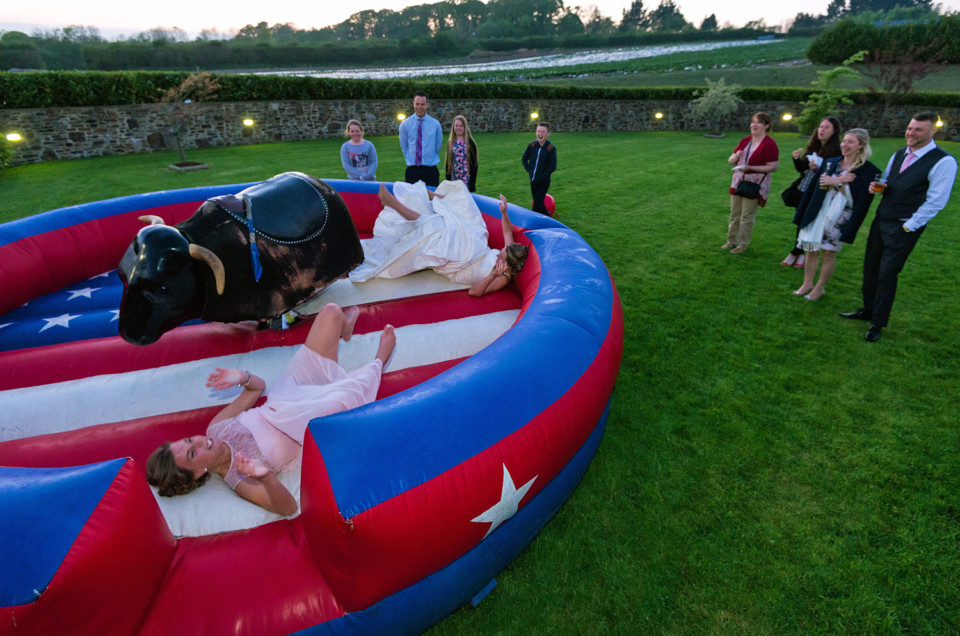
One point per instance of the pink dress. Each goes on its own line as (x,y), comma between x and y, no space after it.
(311,386)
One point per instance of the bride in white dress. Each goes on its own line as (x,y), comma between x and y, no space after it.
(443,231)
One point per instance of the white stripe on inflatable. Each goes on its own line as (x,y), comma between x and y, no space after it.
(178,387)
(345,292)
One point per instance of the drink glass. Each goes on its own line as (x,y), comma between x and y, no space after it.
(879,184)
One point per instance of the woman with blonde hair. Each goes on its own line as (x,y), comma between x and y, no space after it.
(357,155)
(462,154)
(832,214)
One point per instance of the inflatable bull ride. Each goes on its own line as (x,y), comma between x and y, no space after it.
(487,417)
(281,241)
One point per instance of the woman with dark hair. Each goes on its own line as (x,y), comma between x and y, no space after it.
(753,160)
(462,154)
(246,444)
(443,231)
(830,216)
(825,144)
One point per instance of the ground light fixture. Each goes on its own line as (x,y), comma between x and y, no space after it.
(940,123)
(534,115)
(248,122)
(658,115)
(401,116)
(14,137)
(787,117)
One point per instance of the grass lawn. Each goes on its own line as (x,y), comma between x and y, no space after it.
(764,470)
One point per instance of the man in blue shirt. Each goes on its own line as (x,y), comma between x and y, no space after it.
(421,139)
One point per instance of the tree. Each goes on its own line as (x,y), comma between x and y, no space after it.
(635,18)
(709,23)
(197,87)
(827,100)
(892,73)
(756,25)
(667,17)
(570,24)
(598,23)
(717,101)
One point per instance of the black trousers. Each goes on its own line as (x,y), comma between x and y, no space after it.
(428,174)
(539,192)
(887,250)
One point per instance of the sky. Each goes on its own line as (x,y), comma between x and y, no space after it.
(116,17)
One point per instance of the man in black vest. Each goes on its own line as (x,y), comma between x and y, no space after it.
(918,183)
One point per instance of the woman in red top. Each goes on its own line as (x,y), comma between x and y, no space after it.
(755,157)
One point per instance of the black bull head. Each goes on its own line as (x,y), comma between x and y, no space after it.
(204,267)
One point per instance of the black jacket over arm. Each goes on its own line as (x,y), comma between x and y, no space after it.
(813,198)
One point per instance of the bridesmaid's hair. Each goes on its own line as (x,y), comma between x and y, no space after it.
(516,256)
(169,479)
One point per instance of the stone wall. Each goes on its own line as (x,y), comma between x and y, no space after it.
(65,133)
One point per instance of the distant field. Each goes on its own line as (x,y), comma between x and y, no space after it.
(797,72)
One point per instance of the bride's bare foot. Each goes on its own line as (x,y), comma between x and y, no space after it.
(388,340)
(385,196)
(350,316)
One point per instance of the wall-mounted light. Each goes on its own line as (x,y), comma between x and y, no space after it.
(659,115)
(787,117)
(940,123)
(14,137)
(534,115)
(401,116)
(248,122)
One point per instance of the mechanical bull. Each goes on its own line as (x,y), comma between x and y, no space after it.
(249,256)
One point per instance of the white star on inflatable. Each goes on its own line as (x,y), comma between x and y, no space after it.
(59,321)
(85,292)
(510,499)
(6,324)
(103,275)
(116,314)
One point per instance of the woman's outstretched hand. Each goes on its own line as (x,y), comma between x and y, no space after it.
(225,378)
(249,467)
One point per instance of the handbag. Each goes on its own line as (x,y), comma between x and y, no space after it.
(792,195)
(747,189)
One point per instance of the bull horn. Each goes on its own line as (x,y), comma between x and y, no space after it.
(203,254)
(152,219)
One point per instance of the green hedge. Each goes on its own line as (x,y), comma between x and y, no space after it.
(90,88)
(848,36)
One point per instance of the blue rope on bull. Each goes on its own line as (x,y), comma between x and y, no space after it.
(254,250)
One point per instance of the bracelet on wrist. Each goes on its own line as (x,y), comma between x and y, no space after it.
(247,382)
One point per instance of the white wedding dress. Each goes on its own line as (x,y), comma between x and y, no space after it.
(449,237)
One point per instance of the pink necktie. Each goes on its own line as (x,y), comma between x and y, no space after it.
(906,162)
(419,156)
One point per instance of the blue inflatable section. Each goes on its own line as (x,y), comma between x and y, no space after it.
(363,477)
(77,214)
(58,500)
(436,596)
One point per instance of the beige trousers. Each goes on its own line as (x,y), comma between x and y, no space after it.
(743,214)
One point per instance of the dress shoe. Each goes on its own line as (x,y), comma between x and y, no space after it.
(873,334)
(859,314)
